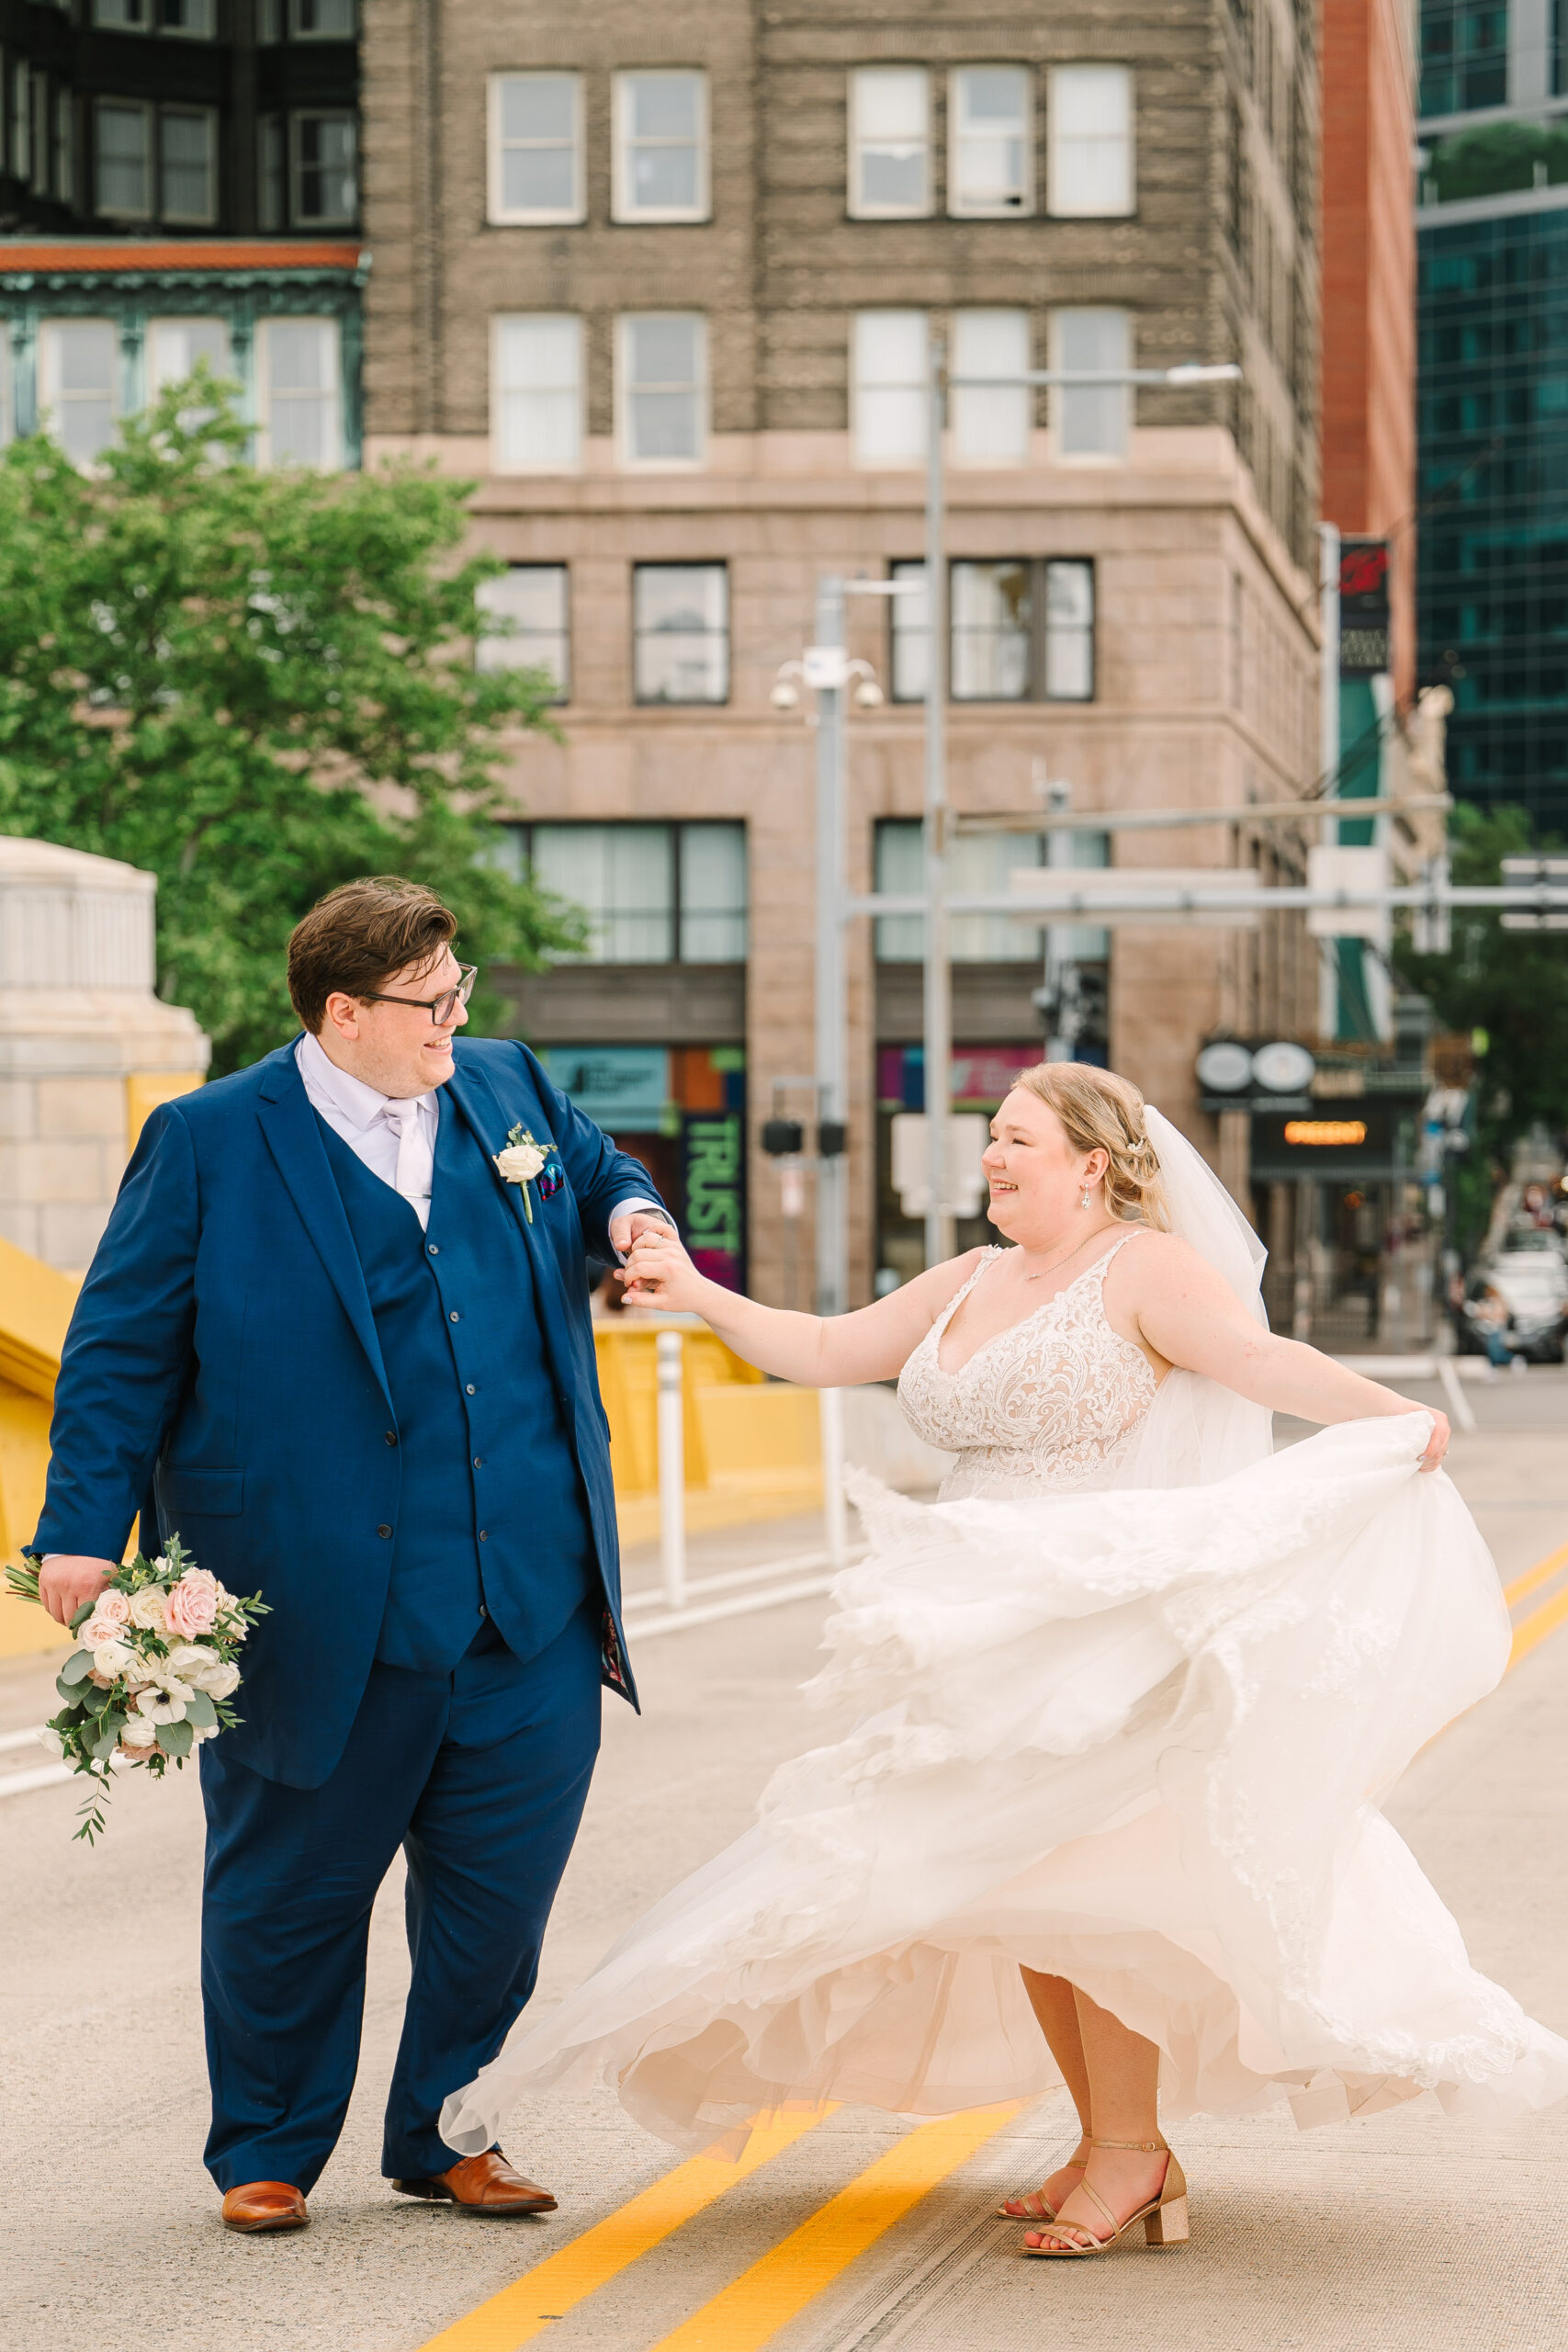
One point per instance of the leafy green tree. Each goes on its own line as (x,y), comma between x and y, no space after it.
(1511,985)
(257,686)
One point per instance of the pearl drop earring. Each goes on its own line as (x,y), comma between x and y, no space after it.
(1084,1202)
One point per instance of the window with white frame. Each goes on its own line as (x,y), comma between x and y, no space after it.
(1069,631)
(651,893)
(977,863)
(1090,141)
(326,189)
(272,172)
(176,348)
(991,422)
(991,615)
(187,163)
(660,170)
(890,172)
(124,159)
(78,364)
(300,395)
(192,18)
(889,380)
(906,624)
(663,389)
(991,141)
(123,16)
(536,394)
(321,19)
(680,632)
(1091,419)
(532,601)
(536,148)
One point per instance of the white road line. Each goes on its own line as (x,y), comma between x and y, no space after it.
(743,1606)
(16,1784)
(9,1740)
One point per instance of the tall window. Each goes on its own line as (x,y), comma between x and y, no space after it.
(663,389)
(299,393)
(194,19)
(272,166)
(680,632)
(1091,418)
(21,105)
(123,16)
(662,137)
(65,147)
(188,160)
(1020,630)
(532,600)
(992,618)
(991,423)
(977,862)
(78,363)
(125,159)
(652,894)
(1069,631)
(536,147)
(321,19)
(325,190)
(890,175)
(536,394)
(990,144)
(1089,153)
(175,347)
(889,394)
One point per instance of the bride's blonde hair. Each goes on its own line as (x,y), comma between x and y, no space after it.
(1101,1112)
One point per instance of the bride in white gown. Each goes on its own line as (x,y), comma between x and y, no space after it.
(1128,1696)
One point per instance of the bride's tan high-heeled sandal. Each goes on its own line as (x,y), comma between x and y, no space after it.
(1034,2208)
(1164,2217)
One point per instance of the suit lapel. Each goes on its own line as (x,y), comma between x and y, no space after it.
(294,1139)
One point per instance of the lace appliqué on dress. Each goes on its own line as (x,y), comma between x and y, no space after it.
(1052,1403)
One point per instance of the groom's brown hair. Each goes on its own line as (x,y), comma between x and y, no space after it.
(358,936)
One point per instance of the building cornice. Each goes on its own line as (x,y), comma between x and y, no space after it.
(234,263)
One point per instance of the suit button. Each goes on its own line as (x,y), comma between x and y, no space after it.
(478,1461)
(433,1248)
(453,1316)
(483,1610)
(484,1532)
(383,1532)
(392,1437)
(471,1390)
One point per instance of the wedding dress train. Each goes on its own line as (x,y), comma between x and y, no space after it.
(1121,1727)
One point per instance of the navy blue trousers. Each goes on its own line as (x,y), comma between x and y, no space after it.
(480,1776)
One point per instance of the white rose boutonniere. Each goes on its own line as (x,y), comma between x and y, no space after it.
(522,1161)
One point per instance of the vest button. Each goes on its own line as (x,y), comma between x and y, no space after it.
(453,1316)
(384,1532)
(478,1461)
(484,1533)
(392,1437)
(470,1388)
(433,1248)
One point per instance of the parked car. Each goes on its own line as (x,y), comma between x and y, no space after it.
(1529,1274)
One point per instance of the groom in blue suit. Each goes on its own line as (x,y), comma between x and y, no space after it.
(336,1338)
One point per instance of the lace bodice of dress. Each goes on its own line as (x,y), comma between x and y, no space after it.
(1052,1402)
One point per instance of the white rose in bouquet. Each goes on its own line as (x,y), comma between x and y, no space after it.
(136,1735)
(194,1663)
(221,1680)
(49,1739)
(146,1609)
(111,1659)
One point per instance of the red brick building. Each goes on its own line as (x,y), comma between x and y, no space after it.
(1368,292)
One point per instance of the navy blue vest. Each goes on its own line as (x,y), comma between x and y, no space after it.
(493,1518)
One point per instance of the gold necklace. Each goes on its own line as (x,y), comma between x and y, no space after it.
(1040,1274)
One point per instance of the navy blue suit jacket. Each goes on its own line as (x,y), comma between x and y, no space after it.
(223,1350)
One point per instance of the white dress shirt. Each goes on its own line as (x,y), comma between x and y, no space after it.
(393,1137)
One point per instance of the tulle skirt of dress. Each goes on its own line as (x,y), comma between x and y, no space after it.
(1136,1738)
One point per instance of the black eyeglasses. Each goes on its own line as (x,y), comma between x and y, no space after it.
(440,1008)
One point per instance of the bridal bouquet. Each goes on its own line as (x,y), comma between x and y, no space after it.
(153,1671)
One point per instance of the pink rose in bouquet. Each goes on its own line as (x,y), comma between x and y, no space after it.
(190,1607)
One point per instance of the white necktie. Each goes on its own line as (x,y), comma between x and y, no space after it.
(413,1169)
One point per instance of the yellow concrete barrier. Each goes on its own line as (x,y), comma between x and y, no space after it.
(35,1307)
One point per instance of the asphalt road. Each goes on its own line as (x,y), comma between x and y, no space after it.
(1408,2231)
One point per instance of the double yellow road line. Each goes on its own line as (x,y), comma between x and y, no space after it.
(748,2312)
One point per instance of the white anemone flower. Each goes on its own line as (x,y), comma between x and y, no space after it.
(166,1701)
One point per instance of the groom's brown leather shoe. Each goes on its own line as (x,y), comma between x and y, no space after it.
(484,2184)
(265,2205)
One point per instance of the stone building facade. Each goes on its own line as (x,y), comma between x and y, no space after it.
(663,288)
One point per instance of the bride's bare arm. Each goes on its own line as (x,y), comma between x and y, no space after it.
(819,1351)
(1188,1313)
